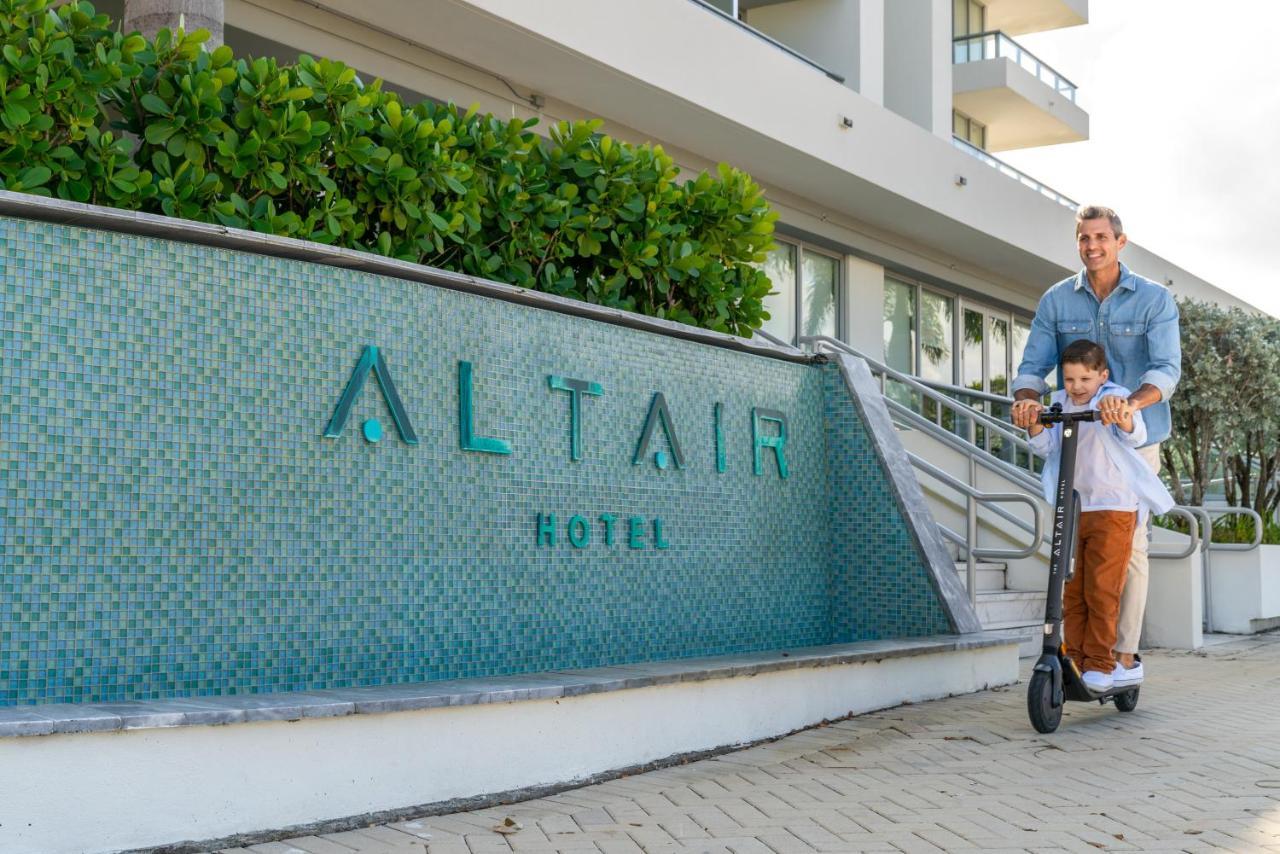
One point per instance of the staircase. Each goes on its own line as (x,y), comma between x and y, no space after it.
(1000,607)
(977,473)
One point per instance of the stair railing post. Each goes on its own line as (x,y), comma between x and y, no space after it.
(971,519)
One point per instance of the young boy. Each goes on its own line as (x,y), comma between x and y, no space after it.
(1116,489)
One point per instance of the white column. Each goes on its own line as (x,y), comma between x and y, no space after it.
(917,62)
(864,306)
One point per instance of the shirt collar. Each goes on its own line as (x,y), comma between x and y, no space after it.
(1127,280)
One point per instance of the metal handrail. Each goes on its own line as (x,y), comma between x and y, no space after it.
(949,389)
(990,462)
(1194,540)
(966,414)
(1010,172)
(976,496)
(977,457)
(1238,511)
(1208,545)
(996,44)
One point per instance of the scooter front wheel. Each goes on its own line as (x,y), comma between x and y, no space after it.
(1045,717)
(1128,701)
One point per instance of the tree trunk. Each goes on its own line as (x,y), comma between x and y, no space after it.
(1175,476)
(151,16)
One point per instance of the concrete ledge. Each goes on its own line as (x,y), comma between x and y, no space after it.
(53,719)
(162,779)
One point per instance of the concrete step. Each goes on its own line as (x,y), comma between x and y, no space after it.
(990,576)
(1032,635)
(1015,607)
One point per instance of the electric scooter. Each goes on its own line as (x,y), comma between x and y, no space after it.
(1055,677)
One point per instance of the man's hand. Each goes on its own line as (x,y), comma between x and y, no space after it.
(1026,413)
(1118,411)
(1145,396)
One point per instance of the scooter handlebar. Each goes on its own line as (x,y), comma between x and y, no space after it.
(1055,415)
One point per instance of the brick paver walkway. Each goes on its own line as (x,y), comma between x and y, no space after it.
(1195,768)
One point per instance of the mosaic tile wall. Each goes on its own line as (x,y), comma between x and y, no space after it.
(879,587)
(173,523)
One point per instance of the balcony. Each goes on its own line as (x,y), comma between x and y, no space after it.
(1021,177)
(1021,99)
(1017,17)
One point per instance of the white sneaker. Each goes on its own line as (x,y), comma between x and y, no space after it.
(1122,675)
(1097,681)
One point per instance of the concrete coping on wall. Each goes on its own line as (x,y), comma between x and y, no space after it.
(66,718)
(61,212)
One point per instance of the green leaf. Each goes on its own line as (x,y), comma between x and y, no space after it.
(16,114)
(153,103)
(35,177)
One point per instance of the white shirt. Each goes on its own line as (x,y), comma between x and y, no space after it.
(1098,479)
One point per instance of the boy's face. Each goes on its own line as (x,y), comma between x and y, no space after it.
(1082,383)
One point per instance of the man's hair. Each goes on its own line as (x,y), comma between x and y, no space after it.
(1085,212)
(1085,352)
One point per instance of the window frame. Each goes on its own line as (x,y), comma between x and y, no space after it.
(959,302)
(797,286)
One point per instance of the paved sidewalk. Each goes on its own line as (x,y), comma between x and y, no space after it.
(1195,768)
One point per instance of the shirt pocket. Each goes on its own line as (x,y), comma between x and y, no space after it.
(1128,340)
(1073,330)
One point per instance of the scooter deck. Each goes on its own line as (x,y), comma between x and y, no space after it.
(1073,687)
(1077,691)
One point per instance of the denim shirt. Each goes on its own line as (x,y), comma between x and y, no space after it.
(1118,445)
(1137,325)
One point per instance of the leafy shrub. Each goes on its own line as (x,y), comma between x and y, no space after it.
(310,151)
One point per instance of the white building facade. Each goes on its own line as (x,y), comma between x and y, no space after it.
(874,126)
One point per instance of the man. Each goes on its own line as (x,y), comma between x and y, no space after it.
(1136,322)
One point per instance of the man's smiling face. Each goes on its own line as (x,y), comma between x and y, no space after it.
(1099,246)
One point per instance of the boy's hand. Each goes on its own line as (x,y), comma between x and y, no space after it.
(1118,411)
(1026,413)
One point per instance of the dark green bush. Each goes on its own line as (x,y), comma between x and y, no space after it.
(310,151)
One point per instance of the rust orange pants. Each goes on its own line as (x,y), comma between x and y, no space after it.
(1091,599)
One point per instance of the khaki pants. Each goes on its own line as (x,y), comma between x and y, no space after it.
(1091,599)
(1133,603)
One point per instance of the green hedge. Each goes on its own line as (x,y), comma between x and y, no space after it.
(309,151)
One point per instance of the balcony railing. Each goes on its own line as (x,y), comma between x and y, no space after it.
(766,38)
(1021,177)
(995,45)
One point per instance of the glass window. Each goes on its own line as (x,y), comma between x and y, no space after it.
(818,293)
(970,130)
(937,338)
(899,325)
(967,17)
(977,134)
(780,267)
(971,355)
(999,355)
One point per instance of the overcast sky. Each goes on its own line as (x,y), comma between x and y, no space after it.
(1184,110)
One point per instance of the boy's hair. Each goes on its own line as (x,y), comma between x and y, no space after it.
(1087,353)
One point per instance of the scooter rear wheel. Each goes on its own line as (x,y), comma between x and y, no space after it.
(1044,716)
(1128,701)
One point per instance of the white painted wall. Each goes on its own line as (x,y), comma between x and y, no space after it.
(1175,609)
(105,792)
(1244,587)
(917,62)
(844,36)
(864,306)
